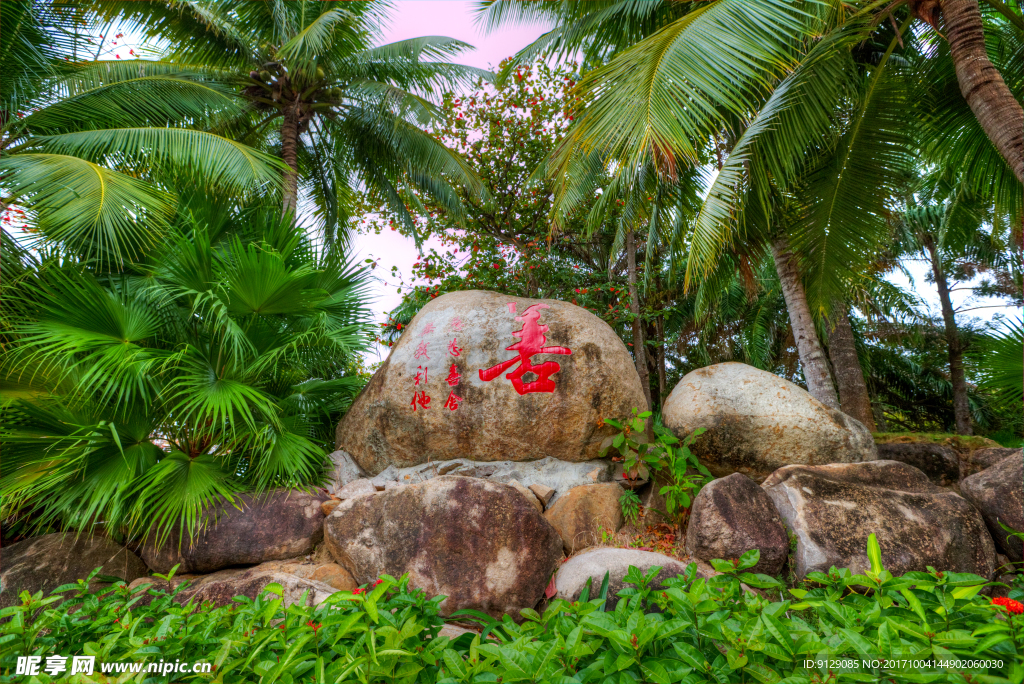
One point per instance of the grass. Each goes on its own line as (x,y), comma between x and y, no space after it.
(960,443)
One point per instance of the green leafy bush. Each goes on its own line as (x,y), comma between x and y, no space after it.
(690,630)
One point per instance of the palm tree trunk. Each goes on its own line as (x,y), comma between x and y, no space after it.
(999,114)
(812,358)
(961,407)
(639,349)
(661,357)
(289,151)
(853,391)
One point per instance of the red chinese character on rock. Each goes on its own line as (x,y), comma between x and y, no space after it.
(428,328)
(421,352)
(454,350)
(420,377)
(531,341)
(452,402)
(453,376)
(420,398)
(457,324)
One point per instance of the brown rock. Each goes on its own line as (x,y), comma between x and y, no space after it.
(493,422)
(527,494)
(47,562)
(833,508)
(223,586)
(998,492)
(583,512)
(757,422)
(280,524)
(481,544)
(329,505)
(940,463)
(542,492)
(731,516)
(986,458)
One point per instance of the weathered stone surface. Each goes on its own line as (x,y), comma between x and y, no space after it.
(528,495)
(343,470)
(328,506)
(592,565)
(757,422)
(998,492)
(222,586)
(986,458)
(940,463)
(561,476)
(279,524)
(833,508)
(45,563)
(479,543)
(360,487)
(542,492)
(732,515)
(493,422)
(583,512)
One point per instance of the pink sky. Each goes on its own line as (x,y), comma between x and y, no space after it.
(455,19)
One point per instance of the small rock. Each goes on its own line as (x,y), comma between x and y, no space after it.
(757,422)
(380,480)
(940,463)
(833,508)
(328,506)
(344,470)
(731,516)
(534,501)
(479,543)
(998,492)
(223,586)
(592,565)
(51,560)
(584,512)
(542,492)
(360,487)
(280,524)
(388,486)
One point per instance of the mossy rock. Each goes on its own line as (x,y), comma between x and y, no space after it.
(962,444)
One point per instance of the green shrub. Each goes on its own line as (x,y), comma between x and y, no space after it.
(690,630)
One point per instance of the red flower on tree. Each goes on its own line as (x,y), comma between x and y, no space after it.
(531,341)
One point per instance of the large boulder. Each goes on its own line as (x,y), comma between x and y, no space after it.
(481,544)
(732,515)
(981,459)
(45,563)
(280,524)
(594,564)
(452,387)
(343,470)
(833,508)
(757,422)
(939,462)
(584,513)
(998,492)
(223,586)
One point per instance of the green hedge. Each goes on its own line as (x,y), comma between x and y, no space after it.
(691,630)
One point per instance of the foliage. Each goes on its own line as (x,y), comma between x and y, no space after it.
(345,112)
(667,459)
(220,363)
(837,628)
(629,502)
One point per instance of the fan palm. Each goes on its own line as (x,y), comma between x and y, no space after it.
(344,113)
(219,364)
(95,149)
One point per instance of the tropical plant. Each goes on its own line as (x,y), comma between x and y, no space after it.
(666,460)
(95,149)
(343,112)
(218,364)
(839,626)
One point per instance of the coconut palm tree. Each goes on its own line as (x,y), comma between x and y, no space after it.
(220,363)
(95,149)
(343,112)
